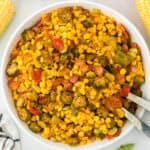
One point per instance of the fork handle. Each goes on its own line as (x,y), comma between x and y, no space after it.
(140,101)
(139,124)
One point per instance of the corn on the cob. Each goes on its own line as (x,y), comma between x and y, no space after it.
(143,7)
(6,13)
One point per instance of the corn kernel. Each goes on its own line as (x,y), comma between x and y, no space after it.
(81,134)
(120,123)
(120,113)
(108,120)
(128,78)
(104,129)
(123,71)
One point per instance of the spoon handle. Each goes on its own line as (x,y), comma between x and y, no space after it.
(140,101)
(140,125)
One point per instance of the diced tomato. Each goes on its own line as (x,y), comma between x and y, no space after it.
(74,79)
(83,67)
(34,111)
(23,95)
(57,44)
(113,102)
(109,137)
(134,45)
(67,85)
(98,70)
(134,69)
(79,62)
(14,53)
(120,78)
(57,82)
(64,72)
(126,35)
(20,76)
(13,84)
(36,75)
(125,91)
(43,99)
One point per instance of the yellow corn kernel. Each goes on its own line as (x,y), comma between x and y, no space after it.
(86,36)
(108,120)
(41,124)
(123,71)
(59,88)
(45,133)
(111,115)
(82,90)
(120,113)
(128,78)
(85,81)
(96,118)
(110,76)
(120,123)
(81,134)
(104,129)
(92,93)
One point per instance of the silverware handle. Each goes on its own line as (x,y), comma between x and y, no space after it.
(146,129)
(140,125)
(140,101)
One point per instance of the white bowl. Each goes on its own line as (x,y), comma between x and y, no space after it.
(136,36)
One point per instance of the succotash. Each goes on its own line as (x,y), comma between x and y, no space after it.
(70,73)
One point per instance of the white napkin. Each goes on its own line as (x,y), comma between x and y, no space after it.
(9,136)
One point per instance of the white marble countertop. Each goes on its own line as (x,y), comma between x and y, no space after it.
(25,8)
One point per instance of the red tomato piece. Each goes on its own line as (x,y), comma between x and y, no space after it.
(120,78)
(13,84)
(79,62)
(14,53)
(57,44)
(67,85)
(125,91)
(56,82)
(84,68)
(109,137)
(43,99)
(113,102)
(23,95)
(36,75)
(98,70)
(74,79)
(64,72)
(34,111)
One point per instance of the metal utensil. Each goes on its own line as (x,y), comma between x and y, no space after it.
(140,101)
(140,125)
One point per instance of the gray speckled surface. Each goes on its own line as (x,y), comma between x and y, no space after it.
(127,7)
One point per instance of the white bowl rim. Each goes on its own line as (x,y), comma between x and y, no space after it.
(59,4)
